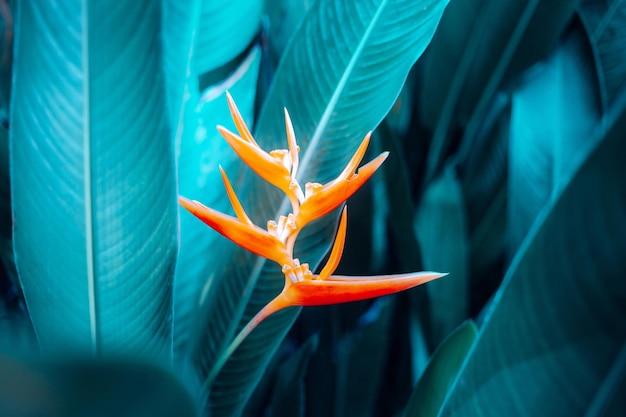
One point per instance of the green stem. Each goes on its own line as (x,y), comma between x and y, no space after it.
(273,306)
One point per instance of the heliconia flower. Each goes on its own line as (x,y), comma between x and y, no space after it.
(302,288)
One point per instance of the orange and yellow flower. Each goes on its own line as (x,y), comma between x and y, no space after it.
(280,168)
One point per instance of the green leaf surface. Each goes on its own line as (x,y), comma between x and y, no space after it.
(180,21)
(483,169)
(605,23)
(202,151)
(361,355)
(333,99)
(553,113)
(479,46)
(93,176)
(556,327)
(88,388)
(225,29)
(288,397)
(442,369)
(441,228)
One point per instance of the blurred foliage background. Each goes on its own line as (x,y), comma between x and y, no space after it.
(507,140)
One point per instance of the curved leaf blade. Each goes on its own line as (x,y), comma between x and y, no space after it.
(93,177)
(443,367)
(558,319)
(202,151)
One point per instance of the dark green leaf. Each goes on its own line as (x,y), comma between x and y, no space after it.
(553,113)
(605,22)
(288,399)
(556,326)
(333,99)
(480,46)
(483,169)
(91,389)
(93,176)
(361,356)
(442,369)
(440,226)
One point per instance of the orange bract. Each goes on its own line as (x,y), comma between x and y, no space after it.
(280,168)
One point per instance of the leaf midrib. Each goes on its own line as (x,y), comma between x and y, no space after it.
(89,226)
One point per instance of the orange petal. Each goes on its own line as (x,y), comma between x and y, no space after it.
(293,146)
(249,236)
(337,250)
(267,167)
(239,123)
(340,289)
(357,157)
(336,192)
(234,201)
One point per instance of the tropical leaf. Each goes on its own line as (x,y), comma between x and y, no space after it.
(288,396)
(225,29)
(553,113)
(180,21)
(361,356)
(441,228)
(480,46)
(605,23)
(90,142)
(482,166)
(335,99)
(6,56)
(558,319)
(442,369)
(90,388)
(202,151)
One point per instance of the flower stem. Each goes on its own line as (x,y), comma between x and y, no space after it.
(273,306)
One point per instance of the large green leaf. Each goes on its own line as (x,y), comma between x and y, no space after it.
(553,113)
(605,22)
(338,78)
(180,21)
(480,46)
(90,142)
(90,388)
(439,375)
(441,228)
(225,29)
(202,151)
(552,342)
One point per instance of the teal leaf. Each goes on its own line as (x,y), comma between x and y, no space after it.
(555,331)
(333,99)
(441,228)
(225,29)
(483,167)
(202,151)
(443,367)
(360,366)
(479,47)
(605,23)
(288,396)
(553,113)
(6,57)
(180,21)
(93,177)
(90,388)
